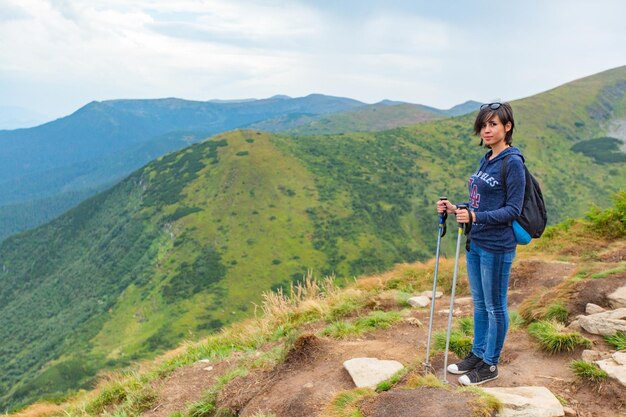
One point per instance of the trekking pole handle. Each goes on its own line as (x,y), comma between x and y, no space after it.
(466,226)
(444,215)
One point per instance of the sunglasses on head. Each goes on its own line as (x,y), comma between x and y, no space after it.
(492,106)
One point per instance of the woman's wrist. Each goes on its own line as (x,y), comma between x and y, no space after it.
(473,216)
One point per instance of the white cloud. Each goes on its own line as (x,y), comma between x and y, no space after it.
(56,55)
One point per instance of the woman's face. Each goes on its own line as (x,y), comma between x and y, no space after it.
(493,131)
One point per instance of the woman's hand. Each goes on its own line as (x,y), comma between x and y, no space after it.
(445,205)
(465,216)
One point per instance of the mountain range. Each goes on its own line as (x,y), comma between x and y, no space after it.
(48,169)
(190,241)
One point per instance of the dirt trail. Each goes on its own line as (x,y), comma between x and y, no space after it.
(305,383)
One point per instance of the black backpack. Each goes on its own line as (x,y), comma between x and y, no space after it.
(534,216)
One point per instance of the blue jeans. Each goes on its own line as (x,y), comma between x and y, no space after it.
(488,275)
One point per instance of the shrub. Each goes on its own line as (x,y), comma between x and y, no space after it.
(341,329)
(552,337)
(379,320)
(460,343)
(618,340)
(557,311)
(588,371)
(516,321)
(346,403)
(611,222)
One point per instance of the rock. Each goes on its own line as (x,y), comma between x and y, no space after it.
(429,294)
(606,323)
(615,369)
(574,326)
(204,361)
(527,402)
(592,308)
(570,412)
(617,298)
(369,372)
(419,301)
(591,355)
(208,368)
(463,301)
(414,321)
(620,357)
(455,313)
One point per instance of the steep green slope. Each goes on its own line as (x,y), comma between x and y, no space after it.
(68,159)
(190,241)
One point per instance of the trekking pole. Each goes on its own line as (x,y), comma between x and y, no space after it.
(440,233)
(462,227)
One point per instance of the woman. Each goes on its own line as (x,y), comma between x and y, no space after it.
(492,242)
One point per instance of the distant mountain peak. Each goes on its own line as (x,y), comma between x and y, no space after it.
(280,97)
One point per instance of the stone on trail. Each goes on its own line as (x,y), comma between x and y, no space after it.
(429,294)
(574,326)
(620,357)
(606,323)
(414,321)
(592,308)
(527,402)
(463,301)
(591,356)
(446,312)
(369,372)
(615,366)
(419,301)
(570,412)
(617,298)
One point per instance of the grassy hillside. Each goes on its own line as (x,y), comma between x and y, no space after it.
(70,159)
(304,335)
(186,244)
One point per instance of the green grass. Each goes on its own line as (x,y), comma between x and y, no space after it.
(129,396)
(553,338)
(428,380)
(557,311)
(618,340)
(516,321)
(460,338)
(393,380)
(341,330)
(345,404)
(484,405)
(206,407)
(374,320)
(345,307)
(466,325)
(588,371)
(379,320)
(613,271)
(460,343)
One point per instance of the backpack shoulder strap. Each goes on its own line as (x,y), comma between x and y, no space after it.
(503,172)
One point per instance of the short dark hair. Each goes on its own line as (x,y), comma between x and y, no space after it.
(504,113)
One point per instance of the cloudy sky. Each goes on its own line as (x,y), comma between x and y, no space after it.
(57,55)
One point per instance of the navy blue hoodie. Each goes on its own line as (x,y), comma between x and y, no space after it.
(495,211)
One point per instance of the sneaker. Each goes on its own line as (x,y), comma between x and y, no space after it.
(479,375)
(466,365)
